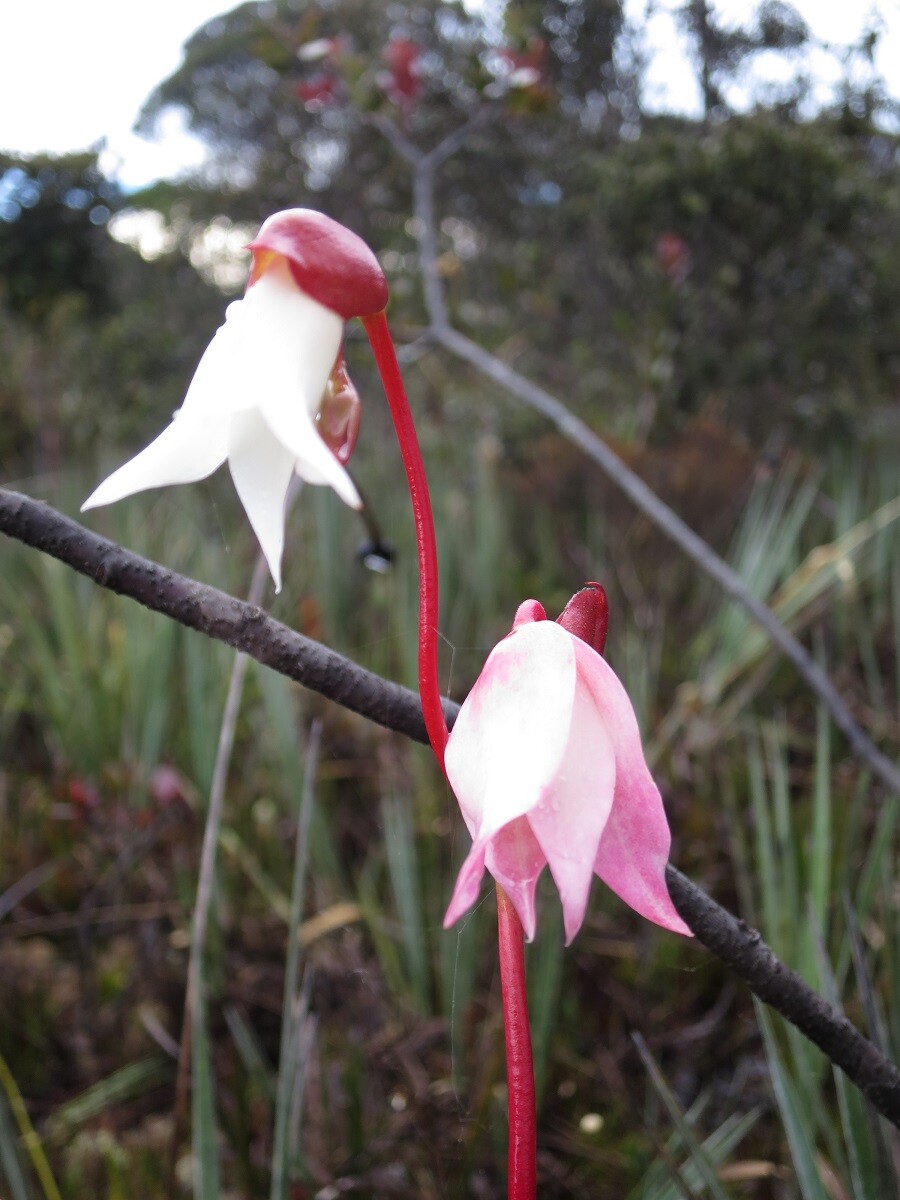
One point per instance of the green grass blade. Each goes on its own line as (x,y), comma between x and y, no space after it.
(403,870)
(127,1082)
(251,1054)
(820,841)
(11,1170)
(28,1133)
(545,969)
(290,1070)
(796,1124)
(705,1168)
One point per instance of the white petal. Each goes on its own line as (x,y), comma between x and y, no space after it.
(276,347)
(291,343)
(293,427)
(295,342)
(513,728)
(570,820)
(319,466)
(186,451)
(261,469)
(223,381)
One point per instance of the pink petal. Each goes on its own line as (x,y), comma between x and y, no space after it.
(569,821)
(634,849)
(515,860)
(468,885)
(528,612)
(513,728)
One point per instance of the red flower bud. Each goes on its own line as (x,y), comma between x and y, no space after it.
(587,616)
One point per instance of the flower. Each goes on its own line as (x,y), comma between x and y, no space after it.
(271,394)
(546,761)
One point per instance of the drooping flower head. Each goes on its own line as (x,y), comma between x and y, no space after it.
(271,394)
(546,762)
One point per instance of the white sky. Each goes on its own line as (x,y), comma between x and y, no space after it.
(840,22)
(73,72)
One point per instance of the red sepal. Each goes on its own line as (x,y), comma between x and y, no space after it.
(327,260)
(587,616)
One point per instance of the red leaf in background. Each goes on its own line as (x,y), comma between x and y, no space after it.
(402,82)
(673,255)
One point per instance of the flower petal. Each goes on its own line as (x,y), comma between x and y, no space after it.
(295,342)
(261,469)
(468,885)
(292,344)
(528,612)
(570,819)
(327,260)
(188,450)
(512,730)
(223,382)
(515,860)
(277,346)
(316,464)
(634,849)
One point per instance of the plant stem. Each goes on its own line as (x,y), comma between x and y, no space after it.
(194,999)
(429,685)
(522,1157)
(30,1138)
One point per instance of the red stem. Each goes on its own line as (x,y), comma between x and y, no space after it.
(376,327)
(522,1182)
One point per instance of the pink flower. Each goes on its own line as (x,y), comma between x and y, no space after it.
(546,761)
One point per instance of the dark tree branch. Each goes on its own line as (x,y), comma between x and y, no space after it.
(743,949)
(215,613)
(248,628)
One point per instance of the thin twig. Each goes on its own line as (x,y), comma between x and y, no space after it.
(582,436)
(388,704)
(292,1011)
(206,876)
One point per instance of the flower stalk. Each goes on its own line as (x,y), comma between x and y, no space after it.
(376,327)
(522,1146)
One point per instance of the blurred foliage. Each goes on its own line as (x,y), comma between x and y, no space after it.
(95,344)
(648,269)
(720,299)
(52,242)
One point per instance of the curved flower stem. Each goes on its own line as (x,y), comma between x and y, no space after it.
(429,686)
(522,1183)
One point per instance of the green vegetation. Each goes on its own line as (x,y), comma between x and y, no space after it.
(720,299)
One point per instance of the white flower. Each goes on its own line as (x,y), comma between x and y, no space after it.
(253,402)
